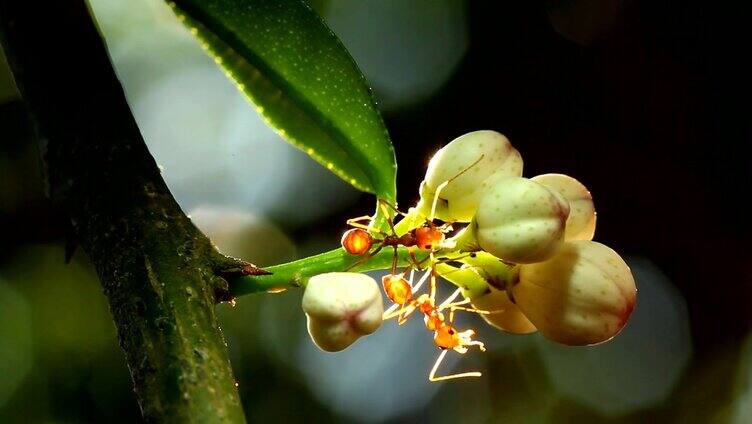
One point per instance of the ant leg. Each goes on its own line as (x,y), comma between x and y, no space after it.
(394,260)
(457,306)
(480,345)
(355,223)
(394,233)
(392,207)
(392,312)
(474,310)
(411,277)
(433,277)
(445,183)
(450,299)
(406,314)
(389,220)
(365,258)
(421,281)
(388,313)
(358,219)
(433,378)
(415,263)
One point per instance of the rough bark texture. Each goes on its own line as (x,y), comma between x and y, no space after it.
(161,275)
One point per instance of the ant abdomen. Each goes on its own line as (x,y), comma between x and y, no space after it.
(356,241)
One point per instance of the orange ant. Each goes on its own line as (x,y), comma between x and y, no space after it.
(358,240)
(401,292)
(446,336)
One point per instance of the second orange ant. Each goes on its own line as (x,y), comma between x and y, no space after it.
(400,291)
(446,336)
(427,237)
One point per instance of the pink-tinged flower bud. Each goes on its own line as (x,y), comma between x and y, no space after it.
(520,221)
(583,295)
(484,278)
(581,220)
(470,164)
(341,307)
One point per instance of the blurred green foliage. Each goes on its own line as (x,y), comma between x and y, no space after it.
(74,368)
(303,81)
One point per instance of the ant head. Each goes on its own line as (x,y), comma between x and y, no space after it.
(428,237)
(356,241)
(445,337)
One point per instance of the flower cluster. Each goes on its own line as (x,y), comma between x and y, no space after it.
(524,258)
(533,239)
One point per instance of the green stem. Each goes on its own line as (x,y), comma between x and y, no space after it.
(297,273)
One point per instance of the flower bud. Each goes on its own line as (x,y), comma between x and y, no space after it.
(583,295)
(341,307)
(581,220)
(520,221)
(470,164)
(483,278)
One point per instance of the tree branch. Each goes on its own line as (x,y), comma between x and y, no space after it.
(161,275)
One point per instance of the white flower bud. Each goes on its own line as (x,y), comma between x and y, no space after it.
(470,163)
(581,220)
(520,221)
(341,307)
(583,295)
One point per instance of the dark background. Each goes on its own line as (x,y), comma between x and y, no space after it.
(646,102)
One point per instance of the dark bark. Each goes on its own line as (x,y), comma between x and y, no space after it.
(161,275)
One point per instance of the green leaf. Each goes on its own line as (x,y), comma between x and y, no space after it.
(302,80)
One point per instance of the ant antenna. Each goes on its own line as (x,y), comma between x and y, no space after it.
(445,183)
